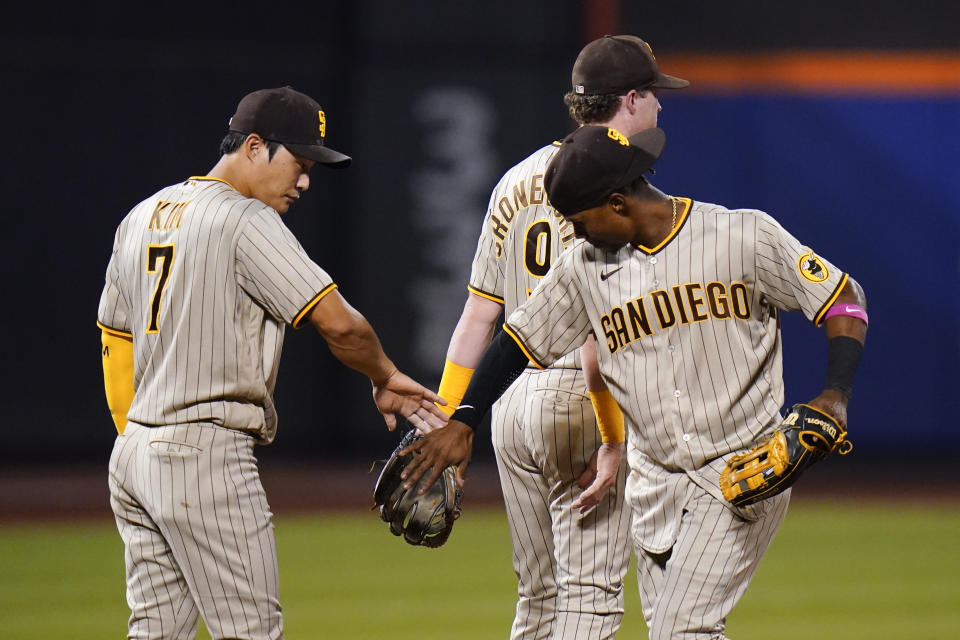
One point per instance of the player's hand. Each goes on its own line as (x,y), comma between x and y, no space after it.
(599,476)
(432,424)
(451,445)
(834,403)
(401,394)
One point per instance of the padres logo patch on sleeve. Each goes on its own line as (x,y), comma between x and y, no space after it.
(812,267)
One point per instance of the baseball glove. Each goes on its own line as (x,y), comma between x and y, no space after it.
(422,519)
(804,437)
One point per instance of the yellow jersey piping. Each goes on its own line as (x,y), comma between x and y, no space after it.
(115,332)
(818,320)
(688,204)
(310,305)
(211,178)
(516,339)
(488,296)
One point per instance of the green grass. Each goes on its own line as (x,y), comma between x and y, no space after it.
(835,571)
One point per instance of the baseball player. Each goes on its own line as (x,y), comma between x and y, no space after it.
(569,566)
(685,298)
(203,280)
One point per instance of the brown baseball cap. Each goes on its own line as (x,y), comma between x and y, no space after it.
(617,64)
(291,118)
(594,161)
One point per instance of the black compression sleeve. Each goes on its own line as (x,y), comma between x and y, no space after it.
(842,359)
(500,365)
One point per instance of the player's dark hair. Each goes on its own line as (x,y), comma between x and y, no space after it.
(590,109)
(234,140)
(636,187)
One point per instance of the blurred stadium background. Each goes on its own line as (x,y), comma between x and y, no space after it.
(840,118)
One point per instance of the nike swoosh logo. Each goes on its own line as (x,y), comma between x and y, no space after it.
(605,276)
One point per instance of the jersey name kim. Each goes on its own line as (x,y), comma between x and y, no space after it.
(171,220)
(665,308)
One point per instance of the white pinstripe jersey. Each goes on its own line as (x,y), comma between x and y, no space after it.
(688,332)
(522,236)
(205,280)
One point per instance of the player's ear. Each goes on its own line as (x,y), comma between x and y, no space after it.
(253,145)
(617,203)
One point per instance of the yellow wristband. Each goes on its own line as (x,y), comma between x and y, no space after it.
(453,384)
(609,416)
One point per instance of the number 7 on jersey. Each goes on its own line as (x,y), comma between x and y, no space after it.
(162,253)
